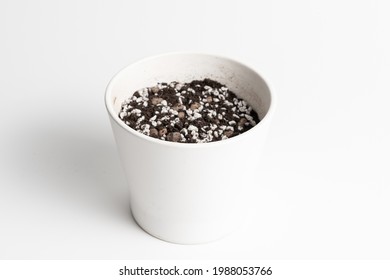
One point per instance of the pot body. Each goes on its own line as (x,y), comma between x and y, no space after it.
(190,193)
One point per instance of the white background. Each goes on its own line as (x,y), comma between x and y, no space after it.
(323,188)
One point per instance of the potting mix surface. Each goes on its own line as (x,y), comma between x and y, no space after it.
(195,112)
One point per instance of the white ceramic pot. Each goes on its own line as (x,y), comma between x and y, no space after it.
(189,193)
